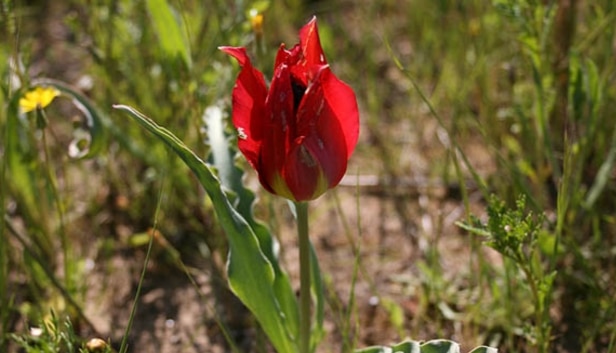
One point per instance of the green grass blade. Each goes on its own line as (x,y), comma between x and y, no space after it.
(251,275)
(5,288)
(20,177)
(603,175)
(173,42)
(148,254)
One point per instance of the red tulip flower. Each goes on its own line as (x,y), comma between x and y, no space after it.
(298,134)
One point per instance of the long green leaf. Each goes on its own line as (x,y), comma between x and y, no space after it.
(168,28)
(222,157)
(251,274)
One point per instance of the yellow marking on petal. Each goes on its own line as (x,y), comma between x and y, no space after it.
(322,185)
(38,98)
(281,188)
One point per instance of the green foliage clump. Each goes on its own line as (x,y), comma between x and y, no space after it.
(55,335)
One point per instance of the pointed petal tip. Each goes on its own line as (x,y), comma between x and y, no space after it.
(231,50)
(224,48)
(239,53)
(312,22)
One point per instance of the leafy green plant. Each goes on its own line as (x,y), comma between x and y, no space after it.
(518,235)
(56,335)
(253,271)
(33,183)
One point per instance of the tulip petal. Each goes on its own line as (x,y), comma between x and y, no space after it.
(249,96)
(300,134)
(279,127)
(320,124)
(303,174)
(343,104)
(311,44)
(284,56)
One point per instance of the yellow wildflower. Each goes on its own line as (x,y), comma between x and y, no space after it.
(256,21)
(40,97)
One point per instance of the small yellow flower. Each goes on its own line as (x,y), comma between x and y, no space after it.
(40,97)
(256,21)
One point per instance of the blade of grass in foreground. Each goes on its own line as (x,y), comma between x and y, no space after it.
(250,273)
(124,345)
(173,40)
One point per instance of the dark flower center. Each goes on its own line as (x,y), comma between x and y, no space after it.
(298,93)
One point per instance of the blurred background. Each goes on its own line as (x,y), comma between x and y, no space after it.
(506,105)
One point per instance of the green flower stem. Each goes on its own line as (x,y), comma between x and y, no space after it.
(304,276)
(67,255)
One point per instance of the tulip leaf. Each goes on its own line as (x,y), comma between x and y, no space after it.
(222,157)
(433,346)
(168,28)
(252,276)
